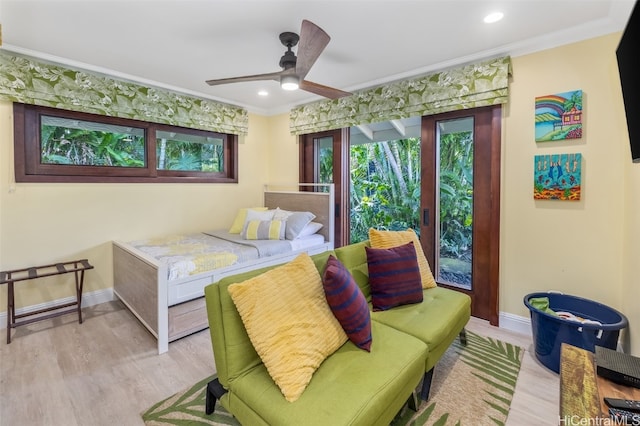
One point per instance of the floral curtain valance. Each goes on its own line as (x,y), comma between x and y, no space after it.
(29,81)
(470,86)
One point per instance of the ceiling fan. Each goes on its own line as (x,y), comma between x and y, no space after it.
(311,42)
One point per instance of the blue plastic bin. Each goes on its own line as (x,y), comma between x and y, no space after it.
(550,331)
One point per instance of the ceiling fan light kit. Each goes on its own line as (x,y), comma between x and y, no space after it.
(311,42)
(289,82)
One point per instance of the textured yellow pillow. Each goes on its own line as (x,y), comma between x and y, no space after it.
(289,322)
(241,216)
(389,239)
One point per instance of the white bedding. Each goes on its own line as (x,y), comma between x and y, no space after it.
(190,254)
(306,242)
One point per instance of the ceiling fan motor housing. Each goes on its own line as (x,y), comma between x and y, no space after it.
(289,40)
(288,60)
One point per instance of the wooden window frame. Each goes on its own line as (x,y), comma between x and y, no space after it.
(27,152)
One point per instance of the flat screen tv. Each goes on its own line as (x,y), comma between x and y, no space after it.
(627,55)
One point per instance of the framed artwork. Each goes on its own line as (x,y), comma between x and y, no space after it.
(559,116)
(557,177)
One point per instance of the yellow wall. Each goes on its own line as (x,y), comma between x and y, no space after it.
(45,223)
(573,247)
(283,151)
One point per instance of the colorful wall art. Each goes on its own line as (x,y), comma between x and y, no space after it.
(559,117)
(557,177)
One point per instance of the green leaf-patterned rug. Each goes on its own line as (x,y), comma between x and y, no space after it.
(472,385)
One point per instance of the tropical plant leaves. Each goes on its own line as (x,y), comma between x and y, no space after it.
(496,363)
(187,409)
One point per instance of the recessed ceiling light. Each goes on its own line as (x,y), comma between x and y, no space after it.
(493,17)
(263,93)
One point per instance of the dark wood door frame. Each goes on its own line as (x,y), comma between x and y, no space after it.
(486,216)
(341,177)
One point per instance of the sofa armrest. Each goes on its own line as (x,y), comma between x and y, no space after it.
(214,315)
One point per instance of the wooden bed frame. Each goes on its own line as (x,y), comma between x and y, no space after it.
(141,283)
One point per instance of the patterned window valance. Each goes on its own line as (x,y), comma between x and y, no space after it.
(470,86)
(28,81)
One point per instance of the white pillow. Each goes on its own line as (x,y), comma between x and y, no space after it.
(258,215)
(296,223)
(281,214)
(310,229)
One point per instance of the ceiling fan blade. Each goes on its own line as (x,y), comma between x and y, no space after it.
(312,42)
(326,91)
(256,77)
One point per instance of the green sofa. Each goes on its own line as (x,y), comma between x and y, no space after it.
(352,386)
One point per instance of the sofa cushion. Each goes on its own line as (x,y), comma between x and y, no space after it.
(436,321)
(347,303)
(394,276)
(289,322)
(352,386)
(354,258)
(387,239)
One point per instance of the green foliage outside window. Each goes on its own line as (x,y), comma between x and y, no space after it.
(81,147)
(456,195)
(385,189)
(180,154)
(80,143)
(385,186)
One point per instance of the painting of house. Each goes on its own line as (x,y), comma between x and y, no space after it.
(559,116)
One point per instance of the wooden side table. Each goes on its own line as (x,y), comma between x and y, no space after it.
(582,391)
(11,277)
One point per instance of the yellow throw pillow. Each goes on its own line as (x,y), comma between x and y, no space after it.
(241,216)
(289,322)
(389,239)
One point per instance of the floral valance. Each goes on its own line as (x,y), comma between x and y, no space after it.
(28,81)
(469,86)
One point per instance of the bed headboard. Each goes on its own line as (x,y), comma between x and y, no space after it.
(313,197)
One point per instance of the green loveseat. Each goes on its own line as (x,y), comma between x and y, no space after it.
(352,386)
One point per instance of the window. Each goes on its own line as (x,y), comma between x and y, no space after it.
(53,145)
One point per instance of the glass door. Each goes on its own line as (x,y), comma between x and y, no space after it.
(454,203)
(460,202)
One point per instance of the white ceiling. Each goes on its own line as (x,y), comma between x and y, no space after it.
(181,43)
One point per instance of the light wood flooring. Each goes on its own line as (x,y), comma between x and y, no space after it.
(107,371)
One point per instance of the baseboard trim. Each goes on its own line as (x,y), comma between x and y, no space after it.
(88,299)
(515,323)
(507,321)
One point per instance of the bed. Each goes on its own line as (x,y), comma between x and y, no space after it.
(161,280)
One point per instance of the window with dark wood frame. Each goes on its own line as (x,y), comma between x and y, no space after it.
(140,157)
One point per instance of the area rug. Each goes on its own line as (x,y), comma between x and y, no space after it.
(472,385)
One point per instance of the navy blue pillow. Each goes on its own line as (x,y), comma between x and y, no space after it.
(394,276)
(347,303)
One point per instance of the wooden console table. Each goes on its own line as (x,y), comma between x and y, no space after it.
(582,391)
(11,277)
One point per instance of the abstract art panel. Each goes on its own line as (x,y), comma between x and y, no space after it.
(559,117)
(557,177)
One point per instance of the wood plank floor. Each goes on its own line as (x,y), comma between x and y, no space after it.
(106,371)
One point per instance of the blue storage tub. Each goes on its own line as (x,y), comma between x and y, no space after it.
(550,331)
